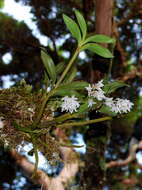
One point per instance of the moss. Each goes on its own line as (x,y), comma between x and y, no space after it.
(18,108)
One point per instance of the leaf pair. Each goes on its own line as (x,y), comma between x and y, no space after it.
(90,44)
(79,30)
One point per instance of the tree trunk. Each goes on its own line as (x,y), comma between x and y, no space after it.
(103,12)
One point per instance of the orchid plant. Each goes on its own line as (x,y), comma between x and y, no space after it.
(75,98)
(61,94)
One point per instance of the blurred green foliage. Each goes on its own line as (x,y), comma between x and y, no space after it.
(1,4)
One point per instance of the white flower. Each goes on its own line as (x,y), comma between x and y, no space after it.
(98,94)
(96,86)
(115,108)
(99,84)
(109,102)
(89,89)
(123,105)
(96,91)
(119,105)
(70,104)
(1,123)
(91,103)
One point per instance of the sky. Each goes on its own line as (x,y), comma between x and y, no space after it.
(22,13)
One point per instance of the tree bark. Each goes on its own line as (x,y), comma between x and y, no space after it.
(103,25)
(103,12)
(41,178)
(60,182)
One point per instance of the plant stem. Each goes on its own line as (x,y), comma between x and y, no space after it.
(67,116)
(46,97)
(72,124)
(62,144)
(71,145)
(36,156)
(67,68)
(111,63)
(53,91)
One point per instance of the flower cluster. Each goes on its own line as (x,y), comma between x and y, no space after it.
(119,105)
(95,92)
(70,104)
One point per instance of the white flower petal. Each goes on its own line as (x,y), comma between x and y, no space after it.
(70,104)
(96,91)
(91,103)
(119,105)
(99,84)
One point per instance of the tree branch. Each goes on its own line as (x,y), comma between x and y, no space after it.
(71,166)
(130,181)
(41,178)
(28,168)
(136,11)
(137,72)
(130,158)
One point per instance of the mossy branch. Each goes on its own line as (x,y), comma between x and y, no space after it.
(84,122)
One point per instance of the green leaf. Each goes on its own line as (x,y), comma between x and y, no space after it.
(49,65)
(107,110)
(99,50)
(82,23)
(73,27)
(66,92)
(83,108)
(46,80)
(99,38)
(77,85)
(60,67)
(70,89)
(71,75)
(111,87)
